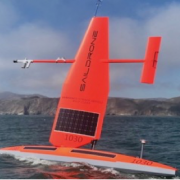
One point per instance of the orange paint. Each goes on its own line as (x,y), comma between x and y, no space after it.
(151,59)
(68,152)
(86,87)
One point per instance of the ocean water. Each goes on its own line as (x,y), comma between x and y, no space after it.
(120,134)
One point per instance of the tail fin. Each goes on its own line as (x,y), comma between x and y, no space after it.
(151,59)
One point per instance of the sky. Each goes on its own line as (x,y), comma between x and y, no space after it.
(46,29)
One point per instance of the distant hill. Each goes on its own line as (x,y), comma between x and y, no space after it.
(145,107)
(16,104)
(12,96)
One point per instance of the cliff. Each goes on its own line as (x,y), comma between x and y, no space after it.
(146,107)
(41,105)
(28,106)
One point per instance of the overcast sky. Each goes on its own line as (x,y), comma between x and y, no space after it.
(37,29)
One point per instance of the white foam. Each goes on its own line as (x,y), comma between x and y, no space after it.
(71,164)
(110,170)
(93,168)
(90,166)
(151,178)
(34,160)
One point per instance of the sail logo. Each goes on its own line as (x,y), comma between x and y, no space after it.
(88,61)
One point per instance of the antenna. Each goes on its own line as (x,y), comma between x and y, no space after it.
(143,141)
(97,6)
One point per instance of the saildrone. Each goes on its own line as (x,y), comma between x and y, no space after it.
(81,108)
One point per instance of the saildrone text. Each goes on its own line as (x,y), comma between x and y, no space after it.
(88,61)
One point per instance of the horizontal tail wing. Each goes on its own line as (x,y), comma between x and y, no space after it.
(151,59)
(27,62)
(149,67)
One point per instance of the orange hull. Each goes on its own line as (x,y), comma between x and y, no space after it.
(94,157)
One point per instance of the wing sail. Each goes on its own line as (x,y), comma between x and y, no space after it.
(81,109)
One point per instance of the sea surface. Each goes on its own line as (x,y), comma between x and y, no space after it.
(120,134)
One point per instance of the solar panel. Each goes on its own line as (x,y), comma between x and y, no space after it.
(41,148)
(94,153)
(74,121)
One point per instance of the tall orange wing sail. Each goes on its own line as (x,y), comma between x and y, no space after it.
(81,109)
